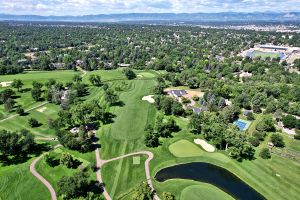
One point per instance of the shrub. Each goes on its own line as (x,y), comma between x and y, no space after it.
(254,141)
(277,140)
(289,121)
(260,135)
(33,122)
(195,98)
(250,116)
(20,110)
(185,100)
(67,160)
(51,159)
(297,136)
(265,153)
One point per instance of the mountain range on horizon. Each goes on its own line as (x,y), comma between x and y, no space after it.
(186,17)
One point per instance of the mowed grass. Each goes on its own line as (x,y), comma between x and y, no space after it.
(264,54)
(120,184)
(54,174)
(126,135)
(17,183)
(184,148)
(204,191)
(24,98)
(41,76)
(21,122)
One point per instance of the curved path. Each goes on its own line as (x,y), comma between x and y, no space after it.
(42,179)
(101,162)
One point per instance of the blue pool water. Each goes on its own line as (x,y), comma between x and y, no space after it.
(242,124)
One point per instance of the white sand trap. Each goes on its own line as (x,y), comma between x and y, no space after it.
(6,84)
(42,109)
(140,75)
(207,147)
(149,98)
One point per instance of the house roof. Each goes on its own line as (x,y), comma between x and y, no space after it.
(178,93)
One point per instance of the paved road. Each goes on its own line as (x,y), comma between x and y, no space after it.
(30,109)
(42,179)
(101,162)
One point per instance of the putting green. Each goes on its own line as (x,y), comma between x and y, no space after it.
(204,191)
(184,148)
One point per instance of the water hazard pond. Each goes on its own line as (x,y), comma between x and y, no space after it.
(217,176)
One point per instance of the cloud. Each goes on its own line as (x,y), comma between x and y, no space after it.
(84,7)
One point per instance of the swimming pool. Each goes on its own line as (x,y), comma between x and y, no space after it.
(242,124)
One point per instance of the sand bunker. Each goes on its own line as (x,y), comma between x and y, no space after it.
(42,109)
(149,98)
(6,84)
(140,75)
(207,147)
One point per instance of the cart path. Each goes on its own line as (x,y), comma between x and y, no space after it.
(101,162)
(42,179)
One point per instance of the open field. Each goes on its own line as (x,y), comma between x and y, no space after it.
(263,55)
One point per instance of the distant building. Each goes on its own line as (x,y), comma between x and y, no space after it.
(275,48)
(247,112)
(199,110)
(79,62)
(177,93)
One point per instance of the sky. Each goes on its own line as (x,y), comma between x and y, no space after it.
(87,7)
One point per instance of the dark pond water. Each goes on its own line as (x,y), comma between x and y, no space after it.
(217,176)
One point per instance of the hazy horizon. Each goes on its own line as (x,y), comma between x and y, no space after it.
(95,7)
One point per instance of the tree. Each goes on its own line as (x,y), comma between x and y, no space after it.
(250,116)
(95,80)
(9,105)
(168,196)
(110,97)
(18,84)
(73,186)
(289,121)
(151,138)
(265,153)
(196,122)
(254,141)
(266,124)
(77,78)
(51,159)
(20,111)
(67,160)
(277,140)
(33,122)
(142,192)
(6,94)
(16,143)
(36,91)
(129,73)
